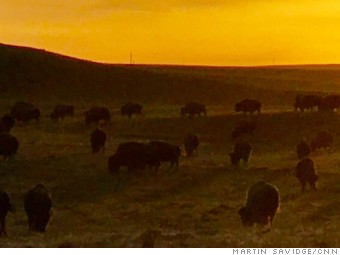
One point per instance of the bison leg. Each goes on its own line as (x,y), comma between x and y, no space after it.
(303,185)
(3,227)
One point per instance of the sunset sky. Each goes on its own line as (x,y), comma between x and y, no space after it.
(195,32)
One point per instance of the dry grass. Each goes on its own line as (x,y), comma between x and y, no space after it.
(195,207)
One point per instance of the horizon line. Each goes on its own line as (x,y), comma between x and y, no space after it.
(171,64)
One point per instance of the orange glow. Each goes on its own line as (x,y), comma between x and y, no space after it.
(199,32)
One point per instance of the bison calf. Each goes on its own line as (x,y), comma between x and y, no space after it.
(5,207)
(38,203)
(305,172)
(242,150)
(97,139)
(261,206)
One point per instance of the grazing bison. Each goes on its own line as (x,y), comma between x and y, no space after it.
(131,108)
(192,109)
(242,150)
(330,103)
(248,105)
(60,111)
(38,203)
(5,207)
(303,149)
(262,204)
(167,152)
(25,112)
(134,155)
(8,145)
(191,143)
(307,102)
(305,172)
(96,114)
(323,139)
(97,139)
(7,123)
(243,128)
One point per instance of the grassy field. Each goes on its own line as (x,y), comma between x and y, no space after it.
(195,207)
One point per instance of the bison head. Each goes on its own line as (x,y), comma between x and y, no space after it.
(234,158)
(113,164)
(238,107)
(245,217)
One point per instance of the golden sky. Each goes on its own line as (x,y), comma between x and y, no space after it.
(198,32)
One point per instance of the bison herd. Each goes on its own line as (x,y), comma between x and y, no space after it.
(262,198)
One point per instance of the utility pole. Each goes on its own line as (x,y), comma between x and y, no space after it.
(131,58)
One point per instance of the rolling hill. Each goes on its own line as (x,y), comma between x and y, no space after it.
(41,76)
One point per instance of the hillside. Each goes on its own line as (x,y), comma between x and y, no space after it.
(41,76)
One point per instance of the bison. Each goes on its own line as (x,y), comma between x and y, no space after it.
(243,128)
(248,105)
(97,139)
(262,204)
(323,139)
(38,204)
(8,145)
(305,172)
(134,155)
(131,108)
(60,111)
(7,123)
(242,151)
(5,207)
(191,143)
(330,103)
(307,102)
(25,112)
(191,109)
(96,114)
(303,149)
(167,152)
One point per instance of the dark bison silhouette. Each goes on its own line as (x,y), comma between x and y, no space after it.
(134,155)
(305,172)
(97,139)
(248,105)
(8,145)
(323,139)
(242,150)
(307,102)
(7,123)
(5,207)
(131,108)
(303,149)
(61,111)
(191,143)
(330,103)
(167,152)
(25,112)
(262,204)
(243,128)
(191,109)
(97,114)
(38,204)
